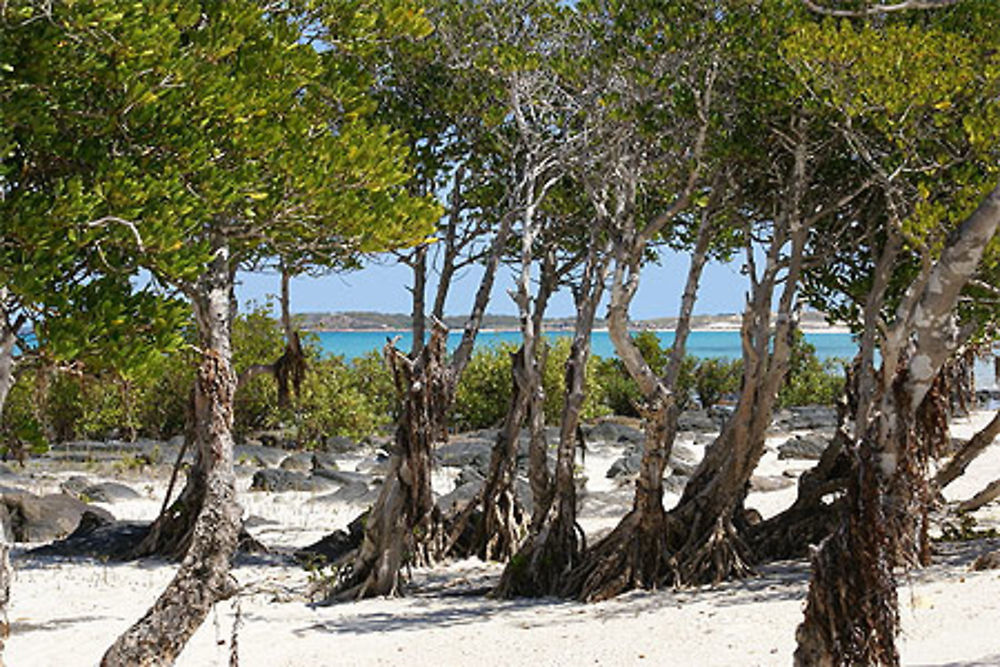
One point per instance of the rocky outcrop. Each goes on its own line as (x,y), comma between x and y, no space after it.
(42,518)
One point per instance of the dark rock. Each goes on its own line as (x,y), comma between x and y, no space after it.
(301,462)
(675,483)
(107,492)
(809,447)
(464,453)
(42,518)
(343,476)
(808,417)
(334,546)
(254,521)
(97,536)
(608,431)
(75,485)
(279,481)
(698,421)
(626,465)
(324,461)
(379,465)
(340,444)
(356,492)
(766,483)
(276,439)
(679,466)
(259,455)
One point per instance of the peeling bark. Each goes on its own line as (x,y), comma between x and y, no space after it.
(851,615)
(204,574)
(404,527)
(555,544)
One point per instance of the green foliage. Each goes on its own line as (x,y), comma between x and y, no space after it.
(810,381)
(620,392)
(716,378)
(554,383)
(484,392)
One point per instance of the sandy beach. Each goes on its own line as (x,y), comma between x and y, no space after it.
(67,611)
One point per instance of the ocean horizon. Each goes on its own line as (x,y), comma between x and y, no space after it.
(702,344)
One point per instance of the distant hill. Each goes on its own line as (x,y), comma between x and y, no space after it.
(371,321)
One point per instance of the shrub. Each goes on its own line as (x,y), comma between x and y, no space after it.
(715,378)
(810,381)
(333,402)
(620,392)
(484,390)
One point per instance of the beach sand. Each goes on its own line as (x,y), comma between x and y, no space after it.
(66,612)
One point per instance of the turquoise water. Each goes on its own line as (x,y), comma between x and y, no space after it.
(704,344)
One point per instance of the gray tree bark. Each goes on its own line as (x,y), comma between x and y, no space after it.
(851,614)
(203,577)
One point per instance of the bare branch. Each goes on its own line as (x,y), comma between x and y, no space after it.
(103,222)
(879,8)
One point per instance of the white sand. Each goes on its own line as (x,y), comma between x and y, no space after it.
(67,613)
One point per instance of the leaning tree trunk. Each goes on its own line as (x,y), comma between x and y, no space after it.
(404,527)
(8,339)
(968,453)
(851,614)
(203,577)
(500,529)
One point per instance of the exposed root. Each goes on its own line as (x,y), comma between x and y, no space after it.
(720,555)
(542,565)
(634,555)
(851,615)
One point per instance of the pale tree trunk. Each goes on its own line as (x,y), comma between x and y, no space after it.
(636,554)
(539,475)
(555,544)
(958,463)
(8,340)
(203,577)
(404,527)
(709,510)
(851,614)
(503,525)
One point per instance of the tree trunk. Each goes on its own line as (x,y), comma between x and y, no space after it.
(500,532)
(8,339)
(851,614)
(556,542)
(958,463)
(418,315)
(404,527)
(637,553)
(811,518)
(203,577)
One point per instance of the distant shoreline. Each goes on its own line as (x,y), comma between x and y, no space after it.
(369,322)
(721,328)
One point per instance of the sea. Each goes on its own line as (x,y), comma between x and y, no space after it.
(702,344)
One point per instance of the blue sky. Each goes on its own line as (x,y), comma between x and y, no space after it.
(383,288)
